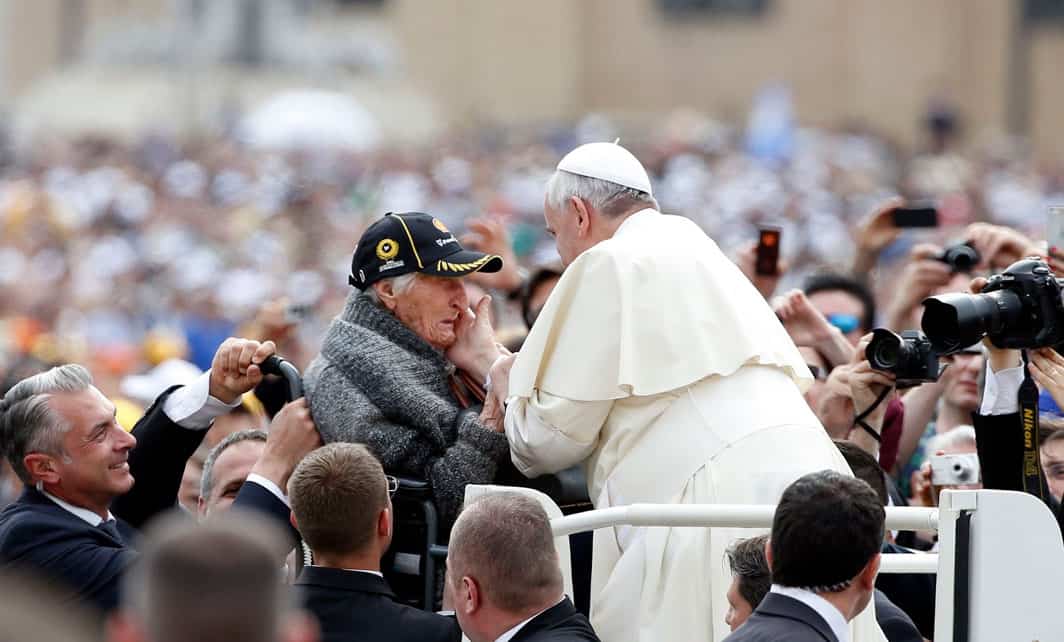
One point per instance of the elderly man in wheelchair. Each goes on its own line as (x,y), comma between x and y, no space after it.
(385,376)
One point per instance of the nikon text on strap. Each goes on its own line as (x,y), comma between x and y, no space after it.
(1028,397)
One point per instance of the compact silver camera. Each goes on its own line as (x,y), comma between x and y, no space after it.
(955,470)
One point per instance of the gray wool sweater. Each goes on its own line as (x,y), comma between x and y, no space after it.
(378,383)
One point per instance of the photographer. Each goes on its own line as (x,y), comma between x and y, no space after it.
(998,424)
(854,404)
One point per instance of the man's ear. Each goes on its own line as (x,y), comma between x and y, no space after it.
(201,507)
(469,600)
(867,578)
(768,554)
(41,467)
(386,293)
(292,519)
(384,522)
(583,215)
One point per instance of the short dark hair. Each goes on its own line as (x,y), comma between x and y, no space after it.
(829,282)
(865,467)
(504,541)
(746,558)
(827,528)
(337,493)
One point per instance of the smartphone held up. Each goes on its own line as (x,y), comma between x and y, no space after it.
(768,251)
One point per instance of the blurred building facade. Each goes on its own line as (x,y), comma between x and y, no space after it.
(513,61)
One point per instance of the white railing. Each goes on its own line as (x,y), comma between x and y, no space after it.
(744,516)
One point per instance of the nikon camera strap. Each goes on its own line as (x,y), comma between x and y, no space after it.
(1028,397)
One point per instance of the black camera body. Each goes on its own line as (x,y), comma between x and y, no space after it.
(1019,308)
(960,257)
(909,355)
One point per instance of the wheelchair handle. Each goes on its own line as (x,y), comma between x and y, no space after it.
(278,366)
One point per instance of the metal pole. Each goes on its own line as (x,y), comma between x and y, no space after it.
(721,515)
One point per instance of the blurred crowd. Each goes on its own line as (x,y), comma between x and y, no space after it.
(122,255)
(138,259)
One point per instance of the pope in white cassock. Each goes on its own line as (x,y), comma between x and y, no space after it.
(657,364)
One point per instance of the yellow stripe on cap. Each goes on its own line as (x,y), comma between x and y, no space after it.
(420,265)
(447,266)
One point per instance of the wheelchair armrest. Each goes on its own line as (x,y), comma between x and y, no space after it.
(414,488)
(572,487)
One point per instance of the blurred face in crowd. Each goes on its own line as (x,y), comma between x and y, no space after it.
(188,494)
(230,471)
(738,608)
(430,306)
(842,309)
(963,391)
(94,468)
(1052,454)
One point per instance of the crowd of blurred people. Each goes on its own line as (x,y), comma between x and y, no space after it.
(139,259)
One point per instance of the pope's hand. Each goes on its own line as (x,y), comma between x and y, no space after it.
(500,379)
(475,349)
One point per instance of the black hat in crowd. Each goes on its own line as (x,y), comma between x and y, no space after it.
(406,242)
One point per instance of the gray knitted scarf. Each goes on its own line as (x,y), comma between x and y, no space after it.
(401,374)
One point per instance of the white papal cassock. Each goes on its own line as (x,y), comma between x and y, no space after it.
(657,363)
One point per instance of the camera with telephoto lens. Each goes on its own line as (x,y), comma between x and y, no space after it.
(908,355)
(1019,308)
(960,257)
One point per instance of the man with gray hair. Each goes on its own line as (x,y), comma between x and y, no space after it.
(227,468)
(212,582)
(503,575)
(657,364)
(60,435)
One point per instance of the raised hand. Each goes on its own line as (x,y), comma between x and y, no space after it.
(491,236)
(235,368)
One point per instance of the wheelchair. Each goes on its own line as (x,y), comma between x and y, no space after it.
(414,564)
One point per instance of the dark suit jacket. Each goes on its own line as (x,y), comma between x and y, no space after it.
(560,623)
(913,593)
(48,541)
(779,617)
(896,625)
(999,442)
(351,605)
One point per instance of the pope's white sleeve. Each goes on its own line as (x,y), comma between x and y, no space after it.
(548,433)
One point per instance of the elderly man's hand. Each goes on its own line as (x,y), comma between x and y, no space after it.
(235,369)
(475,349)
(291,437)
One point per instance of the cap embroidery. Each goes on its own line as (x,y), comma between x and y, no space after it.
(438,224)
(447,266)
(387,249)
(391,265)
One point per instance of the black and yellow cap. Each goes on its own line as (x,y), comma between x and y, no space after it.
(404,242)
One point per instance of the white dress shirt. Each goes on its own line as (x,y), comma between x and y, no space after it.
(509,635)
(83,513)
(1001,391)
(193,407)
(823,608)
